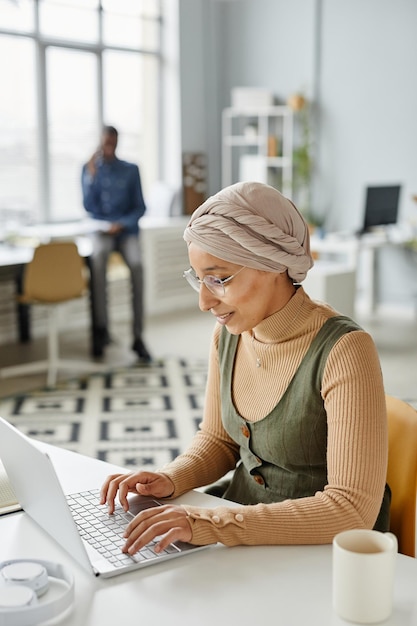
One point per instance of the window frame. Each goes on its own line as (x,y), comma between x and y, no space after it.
(41,44)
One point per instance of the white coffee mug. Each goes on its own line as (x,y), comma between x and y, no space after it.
(363,575)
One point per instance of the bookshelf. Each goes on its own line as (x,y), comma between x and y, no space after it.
(257,144)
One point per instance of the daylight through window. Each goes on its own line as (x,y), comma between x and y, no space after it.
(73,65)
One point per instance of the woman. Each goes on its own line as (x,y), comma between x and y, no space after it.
(295,400)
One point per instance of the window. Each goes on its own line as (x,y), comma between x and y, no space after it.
(72,125)
(74,65)
(18,131)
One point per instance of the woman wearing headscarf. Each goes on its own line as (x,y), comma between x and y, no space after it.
(295,406)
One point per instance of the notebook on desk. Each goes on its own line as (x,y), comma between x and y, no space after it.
(8,500)
(76,521)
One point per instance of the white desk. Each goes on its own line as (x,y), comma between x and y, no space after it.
(343,249)
(360,253)
(283,585)
(164,253)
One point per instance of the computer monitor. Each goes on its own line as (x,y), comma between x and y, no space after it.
(381,206)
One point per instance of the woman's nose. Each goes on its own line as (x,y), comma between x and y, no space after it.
(206,299)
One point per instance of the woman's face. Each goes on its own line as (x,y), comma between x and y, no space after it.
(249,298)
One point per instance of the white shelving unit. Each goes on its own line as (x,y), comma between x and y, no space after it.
(257,144)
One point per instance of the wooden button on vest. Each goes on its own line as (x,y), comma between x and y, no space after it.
(245,431)
(258,479)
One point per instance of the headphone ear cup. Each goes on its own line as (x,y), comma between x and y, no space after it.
(22,581)
(16,597)
(28,573)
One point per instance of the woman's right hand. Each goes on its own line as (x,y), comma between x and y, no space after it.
(142,483)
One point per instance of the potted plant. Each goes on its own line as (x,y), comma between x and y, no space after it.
(302,159)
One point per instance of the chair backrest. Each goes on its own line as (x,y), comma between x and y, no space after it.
(402,472)
(55,274)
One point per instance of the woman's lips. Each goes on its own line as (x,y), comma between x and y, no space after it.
(223,319)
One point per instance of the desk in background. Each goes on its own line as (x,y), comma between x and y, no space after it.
(17,250)
(164,253)
(13,259)
(333,279)
(286,585)
(360,254)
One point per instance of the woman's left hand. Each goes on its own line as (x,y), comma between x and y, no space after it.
(167,522)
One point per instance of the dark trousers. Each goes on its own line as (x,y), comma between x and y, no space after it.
(129,248)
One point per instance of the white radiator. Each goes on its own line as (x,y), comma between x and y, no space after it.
(165,258)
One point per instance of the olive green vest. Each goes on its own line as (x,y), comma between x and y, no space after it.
(284,454)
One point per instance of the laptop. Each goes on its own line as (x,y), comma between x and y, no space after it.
(76,521)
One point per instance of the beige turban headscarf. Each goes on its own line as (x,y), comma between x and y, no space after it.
(254,225)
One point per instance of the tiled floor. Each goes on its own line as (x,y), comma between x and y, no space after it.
(183,334)
(134,417)
(187,334)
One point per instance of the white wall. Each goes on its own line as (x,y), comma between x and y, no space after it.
(200,36)
(355,58)
(170,135)
(269,43)
(368,104)
(194,82)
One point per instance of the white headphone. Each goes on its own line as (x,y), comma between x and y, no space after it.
(23,581)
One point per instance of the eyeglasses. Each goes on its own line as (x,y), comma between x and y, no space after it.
(215,285)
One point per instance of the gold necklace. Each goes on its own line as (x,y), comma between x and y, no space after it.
(258,358)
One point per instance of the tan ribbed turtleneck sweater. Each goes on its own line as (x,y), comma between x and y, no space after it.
(354,400)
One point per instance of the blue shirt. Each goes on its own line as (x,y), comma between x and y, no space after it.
(114,194)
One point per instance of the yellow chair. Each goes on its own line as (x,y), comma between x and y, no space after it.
(402,472)
(55,276)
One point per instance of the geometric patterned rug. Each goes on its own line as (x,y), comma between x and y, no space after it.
(134,417)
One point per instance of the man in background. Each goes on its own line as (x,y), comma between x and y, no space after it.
(112,194)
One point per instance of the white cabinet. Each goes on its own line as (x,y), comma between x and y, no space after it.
(257,144)
(333,283)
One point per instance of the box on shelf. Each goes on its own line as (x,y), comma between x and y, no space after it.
(251,97)
(253,167)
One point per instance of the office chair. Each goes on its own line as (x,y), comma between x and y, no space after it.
(55,276)
(402,472)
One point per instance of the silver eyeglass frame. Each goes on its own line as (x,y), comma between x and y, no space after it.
(217,288)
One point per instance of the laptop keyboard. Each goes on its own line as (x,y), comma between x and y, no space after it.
(104,532)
